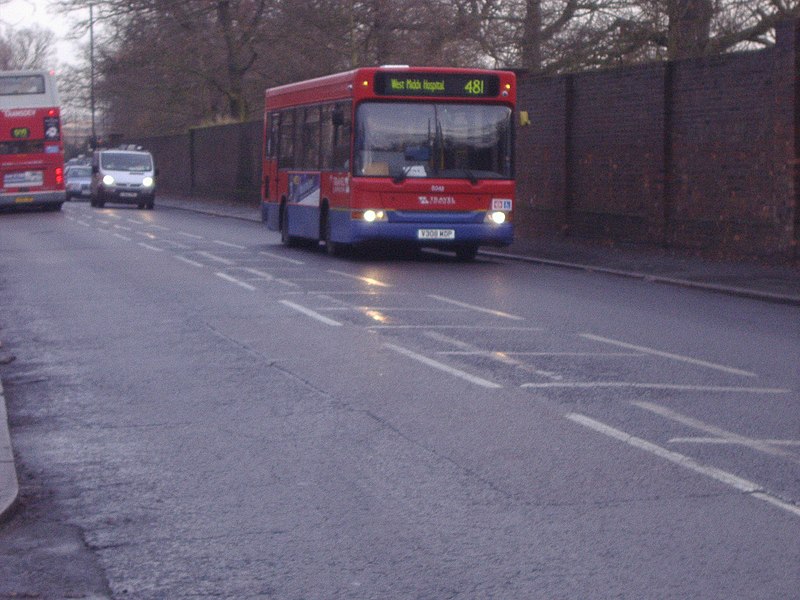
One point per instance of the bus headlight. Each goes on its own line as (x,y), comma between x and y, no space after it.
(108,180)
(370,215)
(148,182)
(496,216)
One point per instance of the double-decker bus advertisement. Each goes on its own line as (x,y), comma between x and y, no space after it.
(418,156)
(31,147)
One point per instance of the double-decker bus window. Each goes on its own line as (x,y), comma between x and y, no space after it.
(422,140)
(21,85)
(342,127)
(310,139)
(286,143)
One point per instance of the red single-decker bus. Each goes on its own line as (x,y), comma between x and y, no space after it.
(421,156)
(31,147)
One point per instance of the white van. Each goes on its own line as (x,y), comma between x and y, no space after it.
(124,176)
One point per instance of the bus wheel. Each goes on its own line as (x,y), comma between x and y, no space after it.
(286,239)
(331,247)
(467,253)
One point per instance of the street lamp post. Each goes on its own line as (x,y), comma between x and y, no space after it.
(91,83)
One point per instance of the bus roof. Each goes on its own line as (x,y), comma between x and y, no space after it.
(358,83)
(28,89)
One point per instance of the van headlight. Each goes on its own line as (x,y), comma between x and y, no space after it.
(108,180)
(148,182)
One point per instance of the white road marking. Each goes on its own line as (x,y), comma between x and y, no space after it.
(656,386)
(678,357)
(84,223)
(190,235)
(257,273)
(490,311)
(279,257)
(229,245)
(149,247)
(310,313)
(120,236)
(500,357)
(176,244)
(188,261)
(235,281)
(123,227)
(475,327)
(367,280)
(725,441)
(729,479)
(555,354)
(443,367)
(215,258)
(718,432)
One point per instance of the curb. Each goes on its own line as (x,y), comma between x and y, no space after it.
(9,485)
(688,283)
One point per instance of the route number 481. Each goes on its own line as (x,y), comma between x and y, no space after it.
(475,87)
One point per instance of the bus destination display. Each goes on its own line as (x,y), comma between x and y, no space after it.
(457,85)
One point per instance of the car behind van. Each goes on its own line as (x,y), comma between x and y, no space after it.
(123,176)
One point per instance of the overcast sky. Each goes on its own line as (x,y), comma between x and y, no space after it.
(22,13)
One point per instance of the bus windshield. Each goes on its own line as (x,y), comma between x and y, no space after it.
(422,140)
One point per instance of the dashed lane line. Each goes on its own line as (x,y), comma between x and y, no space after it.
(743,485)
(367,280)
(310,313)
(490,311)
(656,386)
(718,432)
(443,367)
(235,281)
(677,357)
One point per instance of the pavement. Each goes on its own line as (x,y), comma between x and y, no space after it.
(759,280)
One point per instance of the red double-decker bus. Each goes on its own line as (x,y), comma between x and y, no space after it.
(31,148)
(422,156)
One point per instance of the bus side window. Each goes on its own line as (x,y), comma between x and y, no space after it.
(286,140)
(272,135)
(310,146)
(342,127)
(326,140)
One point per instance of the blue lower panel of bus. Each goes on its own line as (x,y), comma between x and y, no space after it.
(443,229)
(446,228)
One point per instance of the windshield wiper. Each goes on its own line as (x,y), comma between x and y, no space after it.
(473,179)
(400,175)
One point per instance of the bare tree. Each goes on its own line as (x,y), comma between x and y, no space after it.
(28,48)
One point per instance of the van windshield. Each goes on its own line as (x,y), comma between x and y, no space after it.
(121,161)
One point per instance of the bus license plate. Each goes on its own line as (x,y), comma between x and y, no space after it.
(23,199)
(436,234)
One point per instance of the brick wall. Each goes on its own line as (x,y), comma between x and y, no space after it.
(697,154)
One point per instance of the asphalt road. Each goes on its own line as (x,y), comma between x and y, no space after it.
(198,411)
